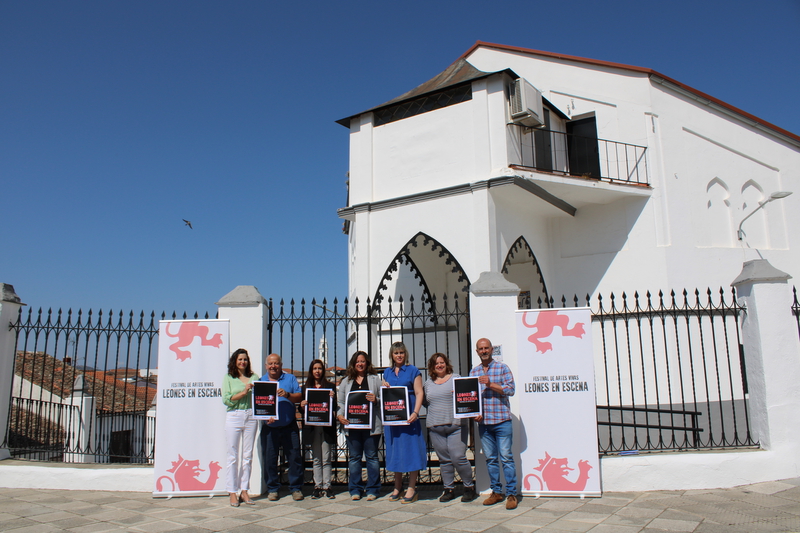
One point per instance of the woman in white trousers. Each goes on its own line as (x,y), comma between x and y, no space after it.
(240,426)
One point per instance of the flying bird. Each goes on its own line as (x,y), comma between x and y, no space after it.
(188,223)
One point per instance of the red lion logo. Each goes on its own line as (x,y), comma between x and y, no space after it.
(546,323)
(185,475)
(554,472)
(186,334)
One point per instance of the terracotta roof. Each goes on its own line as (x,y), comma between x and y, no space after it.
(54,376)
(649,72)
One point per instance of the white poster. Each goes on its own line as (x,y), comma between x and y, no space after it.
(190,452)
(558,411)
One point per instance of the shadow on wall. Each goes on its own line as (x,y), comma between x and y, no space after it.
(585,246)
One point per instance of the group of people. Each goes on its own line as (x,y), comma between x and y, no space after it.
(405,444)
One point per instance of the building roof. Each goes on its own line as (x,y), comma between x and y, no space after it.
(462,71)
(459,72)
(58,378)
(655,76)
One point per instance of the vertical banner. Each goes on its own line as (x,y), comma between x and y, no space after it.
(558,410)
(190,452)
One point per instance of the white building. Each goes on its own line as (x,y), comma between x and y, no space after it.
(573,176)
(645,193)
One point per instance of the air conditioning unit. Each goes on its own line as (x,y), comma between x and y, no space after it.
(526,104)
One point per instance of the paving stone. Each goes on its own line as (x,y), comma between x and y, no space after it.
(432,520)
(615,528)
(561,504)
(97,527)
(471,525)
(341,519)
(38,528)
(769,487)
(311,527)
(16,523)
(371,524)
(673,525)
(570,525)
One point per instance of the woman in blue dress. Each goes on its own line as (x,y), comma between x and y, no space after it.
(405,445)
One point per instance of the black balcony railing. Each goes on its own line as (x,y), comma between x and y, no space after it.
(588,157)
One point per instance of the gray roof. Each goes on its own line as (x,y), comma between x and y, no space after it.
(459,72)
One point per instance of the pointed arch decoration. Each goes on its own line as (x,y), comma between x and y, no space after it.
(521,248)
(421,241)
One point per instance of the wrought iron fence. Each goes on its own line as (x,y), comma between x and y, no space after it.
(333,331)
(672,375)
(561,152)
(90,381)
(669,371)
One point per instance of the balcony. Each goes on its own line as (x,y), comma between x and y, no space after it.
(567,154)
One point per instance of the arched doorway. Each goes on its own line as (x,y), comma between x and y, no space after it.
(522,268)
(422,300)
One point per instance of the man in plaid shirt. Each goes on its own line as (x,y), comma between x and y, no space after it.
(494,426)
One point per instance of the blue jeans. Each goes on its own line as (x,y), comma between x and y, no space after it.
(496,440)
(288,438)
(360,442)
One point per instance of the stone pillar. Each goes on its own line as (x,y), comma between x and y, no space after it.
(492,304)
(9,311)
(82,424)
(772,353)
(248,313)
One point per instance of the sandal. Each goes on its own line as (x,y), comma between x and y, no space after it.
(394,496)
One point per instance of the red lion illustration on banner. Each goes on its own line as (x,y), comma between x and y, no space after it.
(546,322)
(554,472)
(186,473)
(186,334)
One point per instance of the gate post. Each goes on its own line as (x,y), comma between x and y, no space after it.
(248,313)
(9,311)
(492,304)
(82,429)
(772,355)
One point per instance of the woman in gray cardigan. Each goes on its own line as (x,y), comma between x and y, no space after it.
(362,442)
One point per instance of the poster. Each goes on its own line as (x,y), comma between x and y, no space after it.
(265,400)
(394,406)
(190,450)
(358,410)
(319,407)
(466,398)
(558,411)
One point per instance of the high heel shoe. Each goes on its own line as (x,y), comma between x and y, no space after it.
(412,499)
(234,500)
(246,499)
(395,497)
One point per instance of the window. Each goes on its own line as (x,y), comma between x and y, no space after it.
(423,104)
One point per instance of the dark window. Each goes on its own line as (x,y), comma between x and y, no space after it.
(584,158)
(119,450)
(543,144)
(423,104)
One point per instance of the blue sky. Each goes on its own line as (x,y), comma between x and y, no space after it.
(119,119)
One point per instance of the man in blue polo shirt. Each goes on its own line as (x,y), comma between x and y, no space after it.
(282,432)
(494,427)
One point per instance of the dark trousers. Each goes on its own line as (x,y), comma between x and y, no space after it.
(272,440)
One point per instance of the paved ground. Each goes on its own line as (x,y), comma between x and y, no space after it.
(773,506)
